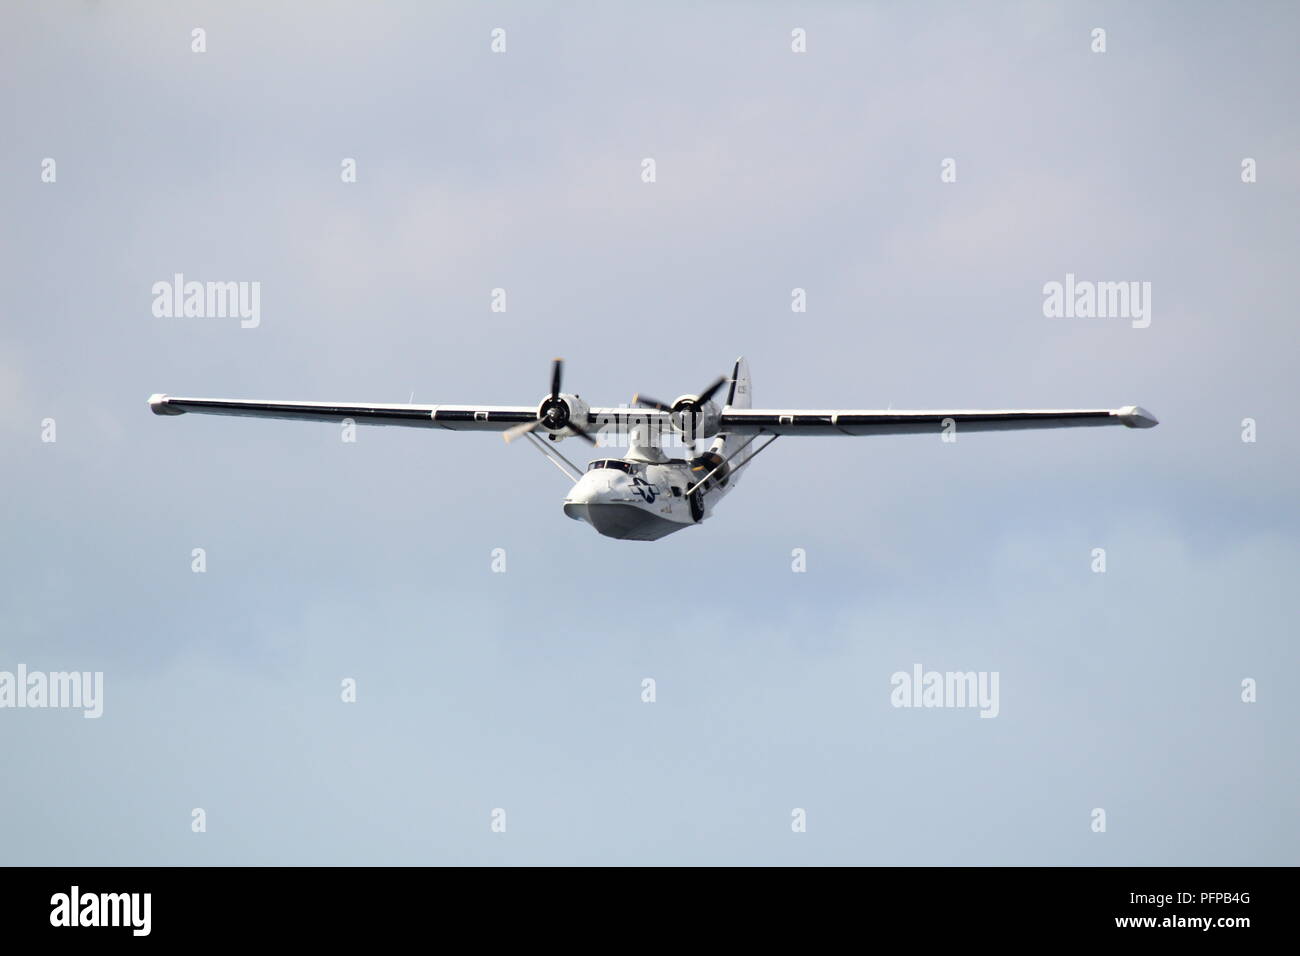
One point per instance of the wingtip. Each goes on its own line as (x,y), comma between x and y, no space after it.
(1135,416)
(159,406)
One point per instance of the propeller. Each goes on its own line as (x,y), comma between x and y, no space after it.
(554,412)
(692,405)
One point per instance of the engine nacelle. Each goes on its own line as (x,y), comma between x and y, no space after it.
(557,413)
(693,420)
(707,465)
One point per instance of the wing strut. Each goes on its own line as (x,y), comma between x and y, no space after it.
(551,455)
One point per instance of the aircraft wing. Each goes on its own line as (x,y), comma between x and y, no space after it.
(481,418)
(454,417)
(795,421)
(735,421)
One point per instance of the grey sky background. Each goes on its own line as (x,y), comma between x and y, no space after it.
(522,690)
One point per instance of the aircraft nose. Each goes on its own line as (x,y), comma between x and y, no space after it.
(588,489)
(588,494)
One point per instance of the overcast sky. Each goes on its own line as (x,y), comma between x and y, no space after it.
(522,690)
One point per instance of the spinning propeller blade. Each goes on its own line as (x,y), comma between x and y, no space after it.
(644,401)
(519,431)
(580,433)
(709,392)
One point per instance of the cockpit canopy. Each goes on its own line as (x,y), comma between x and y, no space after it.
(614,463)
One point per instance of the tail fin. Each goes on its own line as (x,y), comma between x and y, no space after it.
(738,395)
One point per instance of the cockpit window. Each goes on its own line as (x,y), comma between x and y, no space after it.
(610,463)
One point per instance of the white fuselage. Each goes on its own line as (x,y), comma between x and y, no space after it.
(640,500)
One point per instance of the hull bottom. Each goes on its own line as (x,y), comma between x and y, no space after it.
(627,522)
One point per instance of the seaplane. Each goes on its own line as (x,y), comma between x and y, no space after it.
(645,494)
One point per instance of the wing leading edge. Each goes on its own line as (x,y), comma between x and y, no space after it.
(751,421)
(469,418)
(454,417)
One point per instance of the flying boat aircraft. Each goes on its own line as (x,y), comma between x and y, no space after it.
(644,494)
